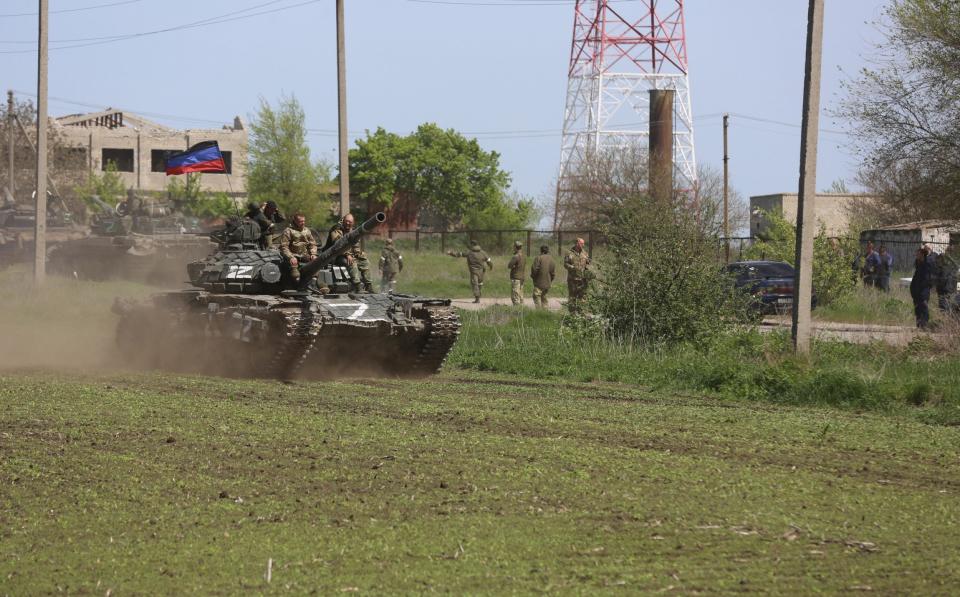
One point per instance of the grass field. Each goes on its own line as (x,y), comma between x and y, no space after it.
(465,483)
(536,462)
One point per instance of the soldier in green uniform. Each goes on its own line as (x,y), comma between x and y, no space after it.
(577,263)
(477,262)
(298,245)
(391,264)
(517,267)
(352,256)
(543,271)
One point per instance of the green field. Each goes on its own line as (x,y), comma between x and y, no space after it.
(465,483)
(537,461)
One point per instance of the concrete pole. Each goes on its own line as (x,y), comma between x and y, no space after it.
(11,138)
(342,111)
(40,227)
(661,144)
(726,192)
(806,223)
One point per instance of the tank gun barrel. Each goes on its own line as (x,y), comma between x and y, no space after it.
(329,254)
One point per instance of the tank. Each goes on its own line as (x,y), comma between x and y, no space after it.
(17,222)
(246,316)
(135,240)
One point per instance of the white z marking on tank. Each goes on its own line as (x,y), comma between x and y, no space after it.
(240,271)
(360,308)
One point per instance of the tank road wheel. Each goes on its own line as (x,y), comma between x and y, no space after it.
(443,327)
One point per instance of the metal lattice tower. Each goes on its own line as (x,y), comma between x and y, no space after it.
(619,53)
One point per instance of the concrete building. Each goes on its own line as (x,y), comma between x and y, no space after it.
(831,210)
(138,148)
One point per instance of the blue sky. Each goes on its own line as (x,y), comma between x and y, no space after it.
(493,69)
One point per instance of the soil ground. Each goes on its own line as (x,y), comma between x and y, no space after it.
(464,483)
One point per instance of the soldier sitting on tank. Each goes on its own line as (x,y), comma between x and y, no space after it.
(298,245)
(352,256)
(255,214)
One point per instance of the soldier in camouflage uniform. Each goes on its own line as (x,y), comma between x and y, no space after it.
(298,245)
(478,263)
(577,263)
(517,267)
(543,271)
(352,256)
(391,264)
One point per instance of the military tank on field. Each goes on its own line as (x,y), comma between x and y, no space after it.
(247,316)
(137,239)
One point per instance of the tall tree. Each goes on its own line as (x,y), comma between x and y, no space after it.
(443,171)
(280,165)
(906,112)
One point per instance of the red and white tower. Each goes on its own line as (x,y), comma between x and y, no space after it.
(620,52)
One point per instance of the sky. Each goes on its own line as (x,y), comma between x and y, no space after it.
(491,69)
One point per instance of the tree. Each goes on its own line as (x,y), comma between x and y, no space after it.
(598,191)
(280,165)
(659,280)
(906,112)
(444,172)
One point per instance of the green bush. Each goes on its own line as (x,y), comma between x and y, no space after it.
(658,282)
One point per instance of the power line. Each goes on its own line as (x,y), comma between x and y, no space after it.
(225,18)
(63,10)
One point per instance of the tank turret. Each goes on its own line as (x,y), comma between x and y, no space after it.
(241,266)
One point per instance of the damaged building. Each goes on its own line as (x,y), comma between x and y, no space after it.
(138,148)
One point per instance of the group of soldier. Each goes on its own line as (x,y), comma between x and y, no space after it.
(542,272)
(298,244)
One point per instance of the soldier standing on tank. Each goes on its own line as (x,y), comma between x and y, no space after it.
(543,271)
(577,263)
(298,245)
(391,264)
(517,267)
(277,222)
(352,256)
(477,262)
(255,214)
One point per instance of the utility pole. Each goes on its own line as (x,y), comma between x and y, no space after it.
(726,192)
(802,286)
(342,111)
(40,228)
(11,137)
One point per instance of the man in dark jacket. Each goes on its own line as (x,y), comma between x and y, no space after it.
(920,286)
(885,269)
(945,281)
(543,271)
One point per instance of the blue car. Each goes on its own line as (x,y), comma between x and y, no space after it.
(770,283)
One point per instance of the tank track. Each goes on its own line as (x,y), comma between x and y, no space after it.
(444,327)
(300,328)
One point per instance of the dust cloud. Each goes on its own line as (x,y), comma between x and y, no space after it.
(67,325)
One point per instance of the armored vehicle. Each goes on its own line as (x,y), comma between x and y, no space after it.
(135,240)
(247,316)
(17,222)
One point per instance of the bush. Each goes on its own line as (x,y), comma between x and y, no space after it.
(658,282)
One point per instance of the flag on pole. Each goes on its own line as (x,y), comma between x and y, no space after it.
(202,157)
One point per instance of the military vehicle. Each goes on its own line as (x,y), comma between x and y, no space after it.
(248,317)
(138,240)
(17,223)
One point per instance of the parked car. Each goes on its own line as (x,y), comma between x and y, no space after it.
(770,283)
